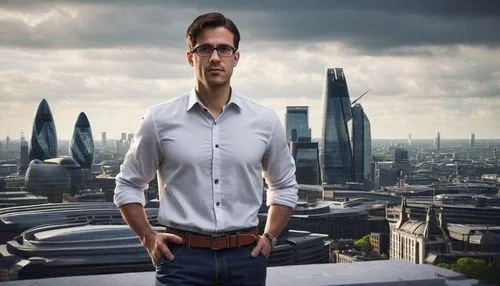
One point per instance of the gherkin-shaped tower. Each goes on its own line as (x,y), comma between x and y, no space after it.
(43,143)
(81,148)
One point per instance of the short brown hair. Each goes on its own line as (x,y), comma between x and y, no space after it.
(210,20)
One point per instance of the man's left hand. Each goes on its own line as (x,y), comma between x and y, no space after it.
(263,246)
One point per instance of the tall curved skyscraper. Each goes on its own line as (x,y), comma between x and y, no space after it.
(81,148)
(43,143)
(336,159)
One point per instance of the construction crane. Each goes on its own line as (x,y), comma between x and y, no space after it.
(360,97)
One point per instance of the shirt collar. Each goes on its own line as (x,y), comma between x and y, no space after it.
(193,99)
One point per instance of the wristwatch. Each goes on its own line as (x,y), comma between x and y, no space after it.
(273,240)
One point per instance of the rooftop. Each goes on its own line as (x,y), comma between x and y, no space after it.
(466,228)
(386,272)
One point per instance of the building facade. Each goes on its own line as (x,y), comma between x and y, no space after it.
(7,143)
(81,148)
(380,242)
(413,240)
(401,156)
(306,155)
(361,145)
(104,138)
(43,143)
(297,124)
(24,155)
(437,143)
(336,159)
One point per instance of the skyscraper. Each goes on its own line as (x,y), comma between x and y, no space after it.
(306,157)
(7,143)
(24,156)
(43,143)
(103,138)
(473,139)
(361,144)
(409,140)
(336,160)
(297,124)
(401,156)
(81,147)
(438,143)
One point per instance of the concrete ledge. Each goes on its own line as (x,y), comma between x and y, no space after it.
(388,272)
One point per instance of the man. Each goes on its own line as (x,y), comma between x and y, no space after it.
(210,148)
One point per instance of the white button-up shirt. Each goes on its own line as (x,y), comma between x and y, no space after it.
(209,170)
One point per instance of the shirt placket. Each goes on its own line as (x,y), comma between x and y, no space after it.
(216,176)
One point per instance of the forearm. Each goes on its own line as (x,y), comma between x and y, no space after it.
(135,216)
(277,219)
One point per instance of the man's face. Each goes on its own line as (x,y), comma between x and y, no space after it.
(214,70)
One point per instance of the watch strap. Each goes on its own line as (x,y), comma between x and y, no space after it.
(272,239)
(268,236)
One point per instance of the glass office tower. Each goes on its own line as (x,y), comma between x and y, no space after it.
(472,139)
(361,144)
(24,155)
(104,139)
(437,143)
(336,160)
(43,143)
(307,166)
(81,148)
(297,124)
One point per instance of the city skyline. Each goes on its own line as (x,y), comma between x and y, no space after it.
(430,67)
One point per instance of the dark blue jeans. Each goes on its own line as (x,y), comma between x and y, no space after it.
(200,266)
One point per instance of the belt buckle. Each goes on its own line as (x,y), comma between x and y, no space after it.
(237,235)
(213,239)
(213,245)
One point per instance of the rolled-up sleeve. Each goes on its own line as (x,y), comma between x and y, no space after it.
(279,168)
(140,165)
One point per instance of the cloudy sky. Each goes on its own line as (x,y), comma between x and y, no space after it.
(430,65)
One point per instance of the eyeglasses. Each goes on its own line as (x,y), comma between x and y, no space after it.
(207,50)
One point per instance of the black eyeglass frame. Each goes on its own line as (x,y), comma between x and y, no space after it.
(195,50)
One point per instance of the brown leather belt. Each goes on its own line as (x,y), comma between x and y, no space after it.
(217,241)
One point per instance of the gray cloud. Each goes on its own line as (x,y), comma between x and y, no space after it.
(426,7)
(369,26)
(93,27)
(132,63)
(429,64)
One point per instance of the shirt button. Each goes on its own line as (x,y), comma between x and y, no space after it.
(216,145)
(205,109)
(217,203)
(216,181)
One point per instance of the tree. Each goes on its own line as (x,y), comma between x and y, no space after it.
(445,266)
(363,244)
(474,268)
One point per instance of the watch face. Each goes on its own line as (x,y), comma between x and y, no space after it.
(274,242)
